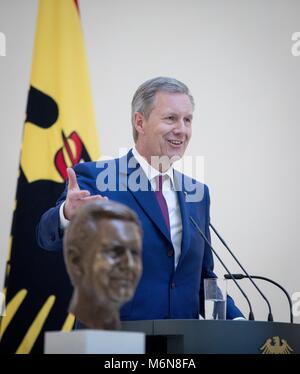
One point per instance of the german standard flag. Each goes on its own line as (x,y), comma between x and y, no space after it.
(59,131)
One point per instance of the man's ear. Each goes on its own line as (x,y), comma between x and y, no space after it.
(139,121)
(75,265)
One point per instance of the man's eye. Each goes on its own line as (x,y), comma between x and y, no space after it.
(111,254)
(114,252)
(170,118)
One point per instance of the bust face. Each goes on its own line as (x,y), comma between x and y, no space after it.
(113,265)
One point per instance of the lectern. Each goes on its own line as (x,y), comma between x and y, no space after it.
(220,337)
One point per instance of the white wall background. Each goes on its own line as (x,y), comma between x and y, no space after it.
(235,55)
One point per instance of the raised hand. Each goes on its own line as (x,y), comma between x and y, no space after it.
(76,197)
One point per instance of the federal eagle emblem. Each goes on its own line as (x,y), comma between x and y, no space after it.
(276,346)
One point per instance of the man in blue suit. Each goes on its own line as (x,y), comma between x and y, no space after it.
(175,258)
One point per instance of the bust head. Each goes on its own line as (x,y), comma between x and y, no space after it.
(102,251)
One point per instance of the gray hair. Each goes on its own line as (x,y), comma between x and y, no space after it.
(143,99)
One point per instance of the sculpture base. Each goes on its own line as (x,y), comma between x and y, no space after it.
(94,342)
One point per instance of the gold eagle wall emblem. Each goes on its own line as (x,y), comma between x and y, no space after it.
(276,346)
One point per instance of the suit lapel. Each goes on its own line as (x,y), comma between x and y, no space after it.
(147,200)
(144,196)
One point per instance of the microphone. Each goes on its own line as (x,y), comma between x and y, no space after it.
(242,276)
(270,316)
(251,315)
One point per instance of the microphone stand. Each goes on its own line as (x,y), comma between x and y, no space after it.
(242,276)
(251,315)
(270,316)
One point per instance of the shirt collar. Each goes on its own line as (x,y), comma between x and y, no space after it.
(149,170)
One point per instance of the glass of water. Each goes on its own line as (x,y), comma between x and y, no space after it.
(215,298)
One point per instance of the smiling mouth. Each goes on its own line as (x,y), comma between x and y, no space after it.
(123,281)
(175,142)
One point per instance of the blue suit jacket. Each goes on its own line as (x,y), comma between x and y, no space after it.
(162,292)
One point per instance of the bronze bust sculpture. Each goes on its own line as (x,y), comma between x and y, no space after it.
(102,252)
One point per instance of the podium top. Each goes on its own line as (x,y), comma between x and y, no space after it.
(209,336)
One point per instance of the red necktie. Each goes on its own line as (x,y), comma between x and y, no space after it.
(162,201)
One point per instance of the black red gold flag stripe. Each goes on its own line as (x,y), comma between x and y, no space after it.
(59,131)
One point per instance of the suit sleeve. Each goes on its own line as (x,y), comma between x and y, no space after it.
(48,232)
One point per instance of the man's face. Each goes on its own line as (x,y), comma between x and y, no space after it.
(114,266)
(168,129)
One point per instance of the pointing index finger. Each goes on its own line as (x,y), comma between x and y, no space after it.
(72,180)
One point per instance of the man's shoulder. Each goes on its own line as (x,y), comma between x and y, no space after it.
(84,165)
(96,165)
(189,180)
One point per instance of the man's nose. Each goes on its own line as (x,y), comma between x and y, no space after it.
(127,259)
(180,126)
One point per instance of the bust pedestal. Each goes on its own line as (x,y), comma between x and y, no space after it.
(94,342)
